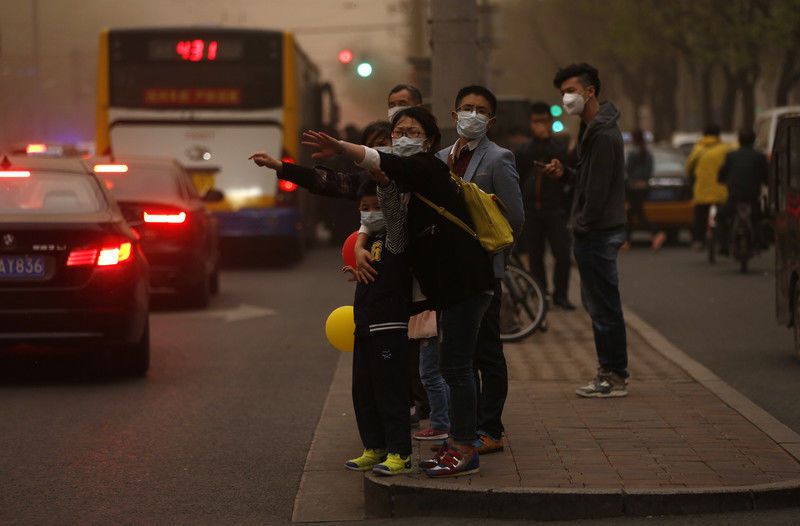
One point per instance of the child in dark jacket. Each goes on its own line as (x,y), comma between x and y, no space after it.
(381,309)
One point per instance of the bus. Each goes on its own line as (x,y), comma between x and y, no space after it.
(784,204)
(209,97)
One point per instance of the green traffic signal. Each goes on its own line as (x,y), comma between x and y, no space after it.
(558,126)
(364,69)
(556,110)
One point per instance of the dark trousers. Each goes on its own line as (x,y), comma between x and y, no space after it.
(491,372)
(380,390)
(700,222)
(596,256)
(550,226)
(459,325)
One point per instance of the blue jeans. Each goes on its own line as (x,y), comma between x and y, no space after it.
(431,376)
(458,335)
(596,256)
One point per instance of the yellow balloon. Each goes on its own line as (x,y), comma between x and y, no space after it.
(340,328)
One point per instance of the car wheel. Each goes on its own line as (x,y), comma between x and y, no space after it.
(138,354)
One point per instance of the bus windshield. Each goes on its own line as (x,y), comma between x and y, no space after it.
(142,184)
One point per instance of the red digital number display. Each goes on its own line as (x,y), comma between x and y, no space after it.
(197,50)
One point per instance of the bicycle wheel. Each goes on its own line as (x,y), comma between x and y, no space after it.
(523,305)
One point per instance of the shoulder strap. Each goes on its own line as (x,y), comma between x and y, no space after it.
(442,211)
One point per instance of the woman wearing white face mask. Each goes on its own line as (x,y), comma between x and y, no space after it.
(453,270)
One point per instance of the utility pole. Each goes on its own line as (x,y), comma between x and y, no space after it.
(454,46)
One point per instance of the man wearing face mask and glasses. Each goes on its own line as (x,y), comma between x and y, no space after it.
(477,159)
(598,222)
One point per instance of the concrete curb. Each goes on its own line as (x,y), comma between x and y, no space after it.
(405,497)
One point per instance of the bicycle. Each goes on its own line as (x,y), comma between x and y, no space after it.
(523,305)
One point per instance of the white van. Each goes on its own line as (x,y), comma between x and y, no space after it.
(767,123)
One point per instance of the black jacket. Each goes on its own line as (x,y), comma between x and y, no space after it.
(744,171)
(450,265)
(384,304)
(599,200)
(541,193)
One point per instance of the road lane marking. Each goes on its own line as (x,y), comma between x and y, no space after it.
(240,313)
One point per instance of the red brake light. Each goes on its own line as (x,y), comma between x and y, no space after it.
(286,186)
(110,168)
(151,217)
(15,173)
(107,256)
(287,159)
(81,257)
(36,148)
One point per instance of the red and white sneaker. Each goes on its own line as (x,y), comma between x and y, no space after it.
(455,464)
(434,460)
(431,434)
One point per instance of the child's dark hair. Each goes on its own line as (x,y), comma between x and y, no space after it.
(368,188)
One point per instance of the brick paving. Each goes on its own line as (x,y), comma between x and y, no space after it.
(671,432)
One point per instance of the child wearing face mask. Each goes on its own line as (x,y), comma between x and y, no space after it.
(381,309)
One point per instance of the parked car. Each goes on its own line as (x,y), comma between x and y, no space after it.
(178,235)
(72,273)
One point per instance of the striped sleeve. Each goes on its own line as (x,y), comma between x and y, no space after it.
(395,211)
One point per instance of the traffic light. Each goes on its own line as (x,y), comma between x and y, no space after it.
(556,111)
(345,56)
(364,69)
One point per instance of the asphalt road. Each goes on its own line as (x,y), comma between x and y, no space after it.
(720,317)
(218,432)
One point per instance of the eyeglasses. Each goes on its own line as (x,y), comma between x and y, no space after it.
(411,133)
(480,110)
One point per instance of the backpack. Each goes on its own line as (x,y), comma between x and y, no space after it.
(487,212)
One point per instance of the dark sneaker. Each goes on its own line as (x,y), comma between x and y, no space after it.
(431,434)
(605,385)
(455,464)
(489,445)
(432,462)
(393,465)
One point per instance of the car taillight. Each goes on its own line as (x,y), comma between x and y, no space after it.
(107,256)
(163,217)
(110,168)
(14,173)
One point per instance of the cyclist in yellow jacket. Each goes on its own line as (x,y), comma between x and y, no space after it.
(702,167)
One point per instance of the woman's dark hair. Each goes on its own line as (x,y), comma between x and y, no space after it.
(376,129)
(711,129)
(367,189)
(426,120)
(539,107)
(586,73)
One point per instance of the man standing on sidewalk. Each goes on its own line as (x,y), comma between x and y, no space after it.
(598,222)
(476,159)
(546,203)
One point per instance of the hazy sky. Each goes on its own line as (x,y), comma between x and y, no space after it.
(61,106)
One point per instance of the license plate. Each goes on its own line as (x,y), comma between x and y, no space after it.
(22,267)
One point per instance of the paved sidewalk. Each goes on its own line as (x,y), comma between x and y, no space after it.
(681,442)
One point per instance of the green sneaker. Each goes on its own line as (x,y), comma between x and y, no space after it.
(393,465)
(367,460)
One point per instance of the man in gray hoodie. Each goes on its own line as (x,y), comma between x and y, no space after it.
(598,222)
